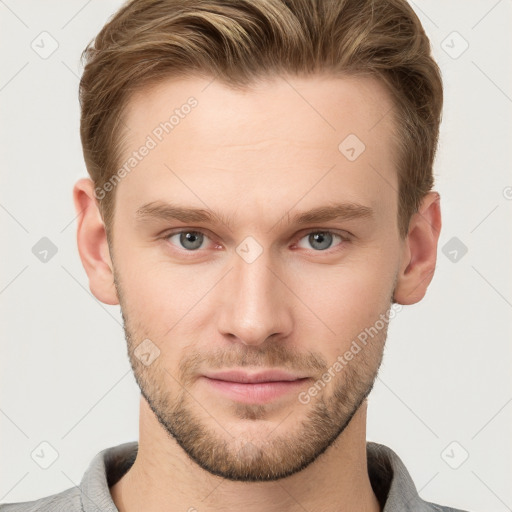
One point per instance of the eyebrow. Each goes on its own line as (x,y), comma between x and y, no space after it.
(160,210)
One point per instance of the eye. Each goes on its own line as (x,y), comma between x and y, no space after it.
(322,240)
(193,240)
(189,240)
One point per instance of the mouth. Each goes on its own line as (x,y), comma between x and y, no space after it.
(260,387)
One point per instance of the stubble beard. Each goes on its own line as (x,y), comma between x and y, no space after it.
(263,454)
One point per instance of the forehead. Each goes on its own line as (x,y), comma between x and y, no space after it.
(286,139)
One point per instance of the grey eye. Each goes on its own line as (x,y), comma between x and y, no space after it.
(190,240)
(320,240)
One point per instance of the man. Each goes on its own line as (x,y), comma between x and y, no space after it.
(260,206)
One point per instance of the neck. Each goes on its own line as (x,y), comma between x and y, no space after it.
(163,477)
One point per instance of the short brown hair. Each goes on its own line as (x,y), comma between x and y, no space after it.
(240,41)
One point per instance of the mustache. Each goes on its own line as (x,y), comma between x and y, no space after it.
(274,355)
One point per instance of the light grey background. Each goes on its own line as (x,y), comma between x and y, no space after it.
(65,374)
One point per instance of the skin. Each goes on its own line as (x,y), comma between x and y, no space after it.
(256,157)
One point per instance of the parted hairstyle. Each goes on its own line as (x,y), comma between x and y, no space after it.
(239,42)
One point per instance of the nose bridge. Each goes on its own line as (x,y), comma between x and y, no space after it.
(254,302)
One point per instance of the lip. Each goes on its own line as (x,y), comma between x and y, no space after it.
(255,388)
(255,377)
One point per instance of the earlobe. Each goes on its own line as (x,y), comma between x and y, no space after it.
(92,243)
(419,255)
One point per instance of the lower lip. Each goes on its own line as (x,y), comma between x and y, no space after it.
(255,393)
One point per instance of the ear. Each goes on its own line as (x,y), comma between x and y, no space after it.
(419,253)
(92,243)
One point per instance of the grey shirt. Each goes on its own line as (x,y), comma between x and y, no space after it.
(390,481)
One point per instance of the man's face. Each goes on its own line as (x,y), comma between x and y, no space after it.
(257,290)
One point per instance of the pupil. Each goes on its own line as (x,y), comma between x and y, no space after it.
(191,240)
(320,238)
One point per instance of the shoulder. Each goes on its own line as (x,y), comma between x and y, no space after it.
(434,507)
(65,501)
(393,485)
(93,493)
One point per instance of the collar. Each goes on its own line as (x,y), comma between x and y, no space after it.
(388,475)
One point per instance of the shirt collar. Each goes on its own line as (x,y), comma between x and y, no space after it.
(388,475)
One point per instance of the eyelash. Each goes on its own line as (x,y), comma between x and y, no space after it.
(344,239)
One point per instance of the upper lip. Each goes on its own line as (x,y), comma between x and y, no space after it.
(260,376)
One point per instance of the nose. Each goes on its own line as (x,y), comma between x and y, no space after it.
(255,302)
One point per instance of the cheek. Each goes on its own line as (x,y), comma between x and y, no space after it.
(341,292)
(162,298)
(348,298)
